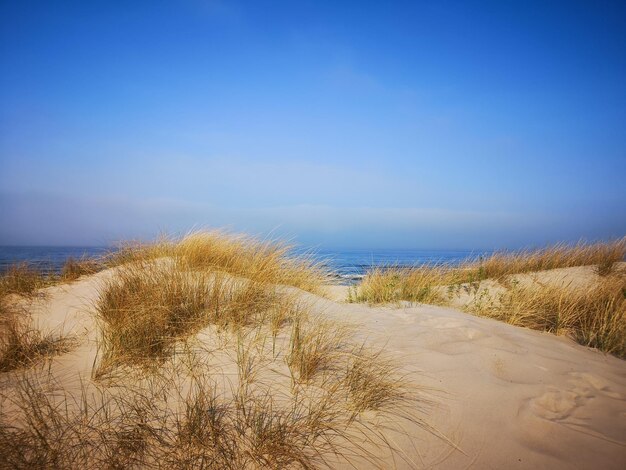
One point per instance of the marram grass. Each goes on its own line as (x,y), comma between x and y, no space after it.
(594,316)
(239,255)
(301,393)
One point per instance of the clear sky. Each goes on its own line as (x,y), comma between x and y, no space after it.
(433,124)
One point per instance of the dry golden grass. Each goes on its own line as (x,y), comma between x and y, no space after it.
(291,391)
(27,279)
(181,418)
(316,345)
(420,283)
(23,279)
(74,268)
(393,284)
(168,290)
(594,317)
(373,381)
(22,345)
(557,256)
(147,306)
(239,255)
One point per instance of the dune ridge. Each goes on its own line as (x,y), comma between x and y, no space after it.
(447,390)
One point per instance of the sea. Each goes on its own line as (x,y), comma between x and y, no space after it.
(347,265)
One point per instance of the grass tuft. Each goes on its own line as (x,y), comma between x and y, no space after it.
(561,255)
(75,268)
(594,317)
(22,345)
(269,262)
(394,284)
(148,306)
(22,279)
(372,381)
(315,346)
(157,424)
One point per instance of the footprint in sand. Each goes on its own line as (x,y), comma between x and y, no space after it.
(598,383)
(556,405)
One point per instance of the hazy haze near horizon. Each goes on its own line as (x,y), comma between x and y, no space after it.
(400,125)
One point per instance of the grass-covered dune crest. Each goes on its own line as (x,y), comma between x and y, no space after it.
(203,352)
(266,261)
(520,288)
(215,351)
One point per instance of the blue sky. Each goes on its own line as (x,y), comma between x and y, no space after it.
(339,124)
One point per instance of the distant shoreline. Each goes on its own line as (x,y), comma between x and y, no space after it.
(347,265)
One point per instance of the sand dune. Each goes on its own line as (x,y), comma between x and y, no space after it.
(501,396)
(510,397)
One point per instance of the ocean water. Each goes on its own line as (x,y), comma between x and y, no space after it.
(348,265)
(47,258)
(351,265)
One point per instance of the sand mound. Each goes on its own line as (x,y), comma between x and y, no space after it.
(504,397)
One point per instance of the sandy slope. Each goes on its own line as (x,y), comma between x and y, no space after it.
(511,397)
(504,397)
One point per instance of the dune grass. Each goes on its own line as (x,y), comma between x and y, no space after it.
(561,255)
(595,316)
(23,279)
(266,261)
(316,345)
(167,290)
(394,284)
(153,425)
(183,417)
(205,362)
(21,344)
(372,381)
(27,280)
(147,306)
(421,283)
(74,268)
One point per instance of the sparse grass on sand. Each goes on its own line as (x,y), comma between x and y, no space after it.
(150,305)
(372,381)
(74,268)
(27,280)
(179,420)
(315,345)
(419,284)
(21,344)
(23,279)
(500,264)
(209,361)
(594,316)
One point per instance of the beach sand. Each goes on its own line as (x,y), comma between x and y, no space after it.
(499,396)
